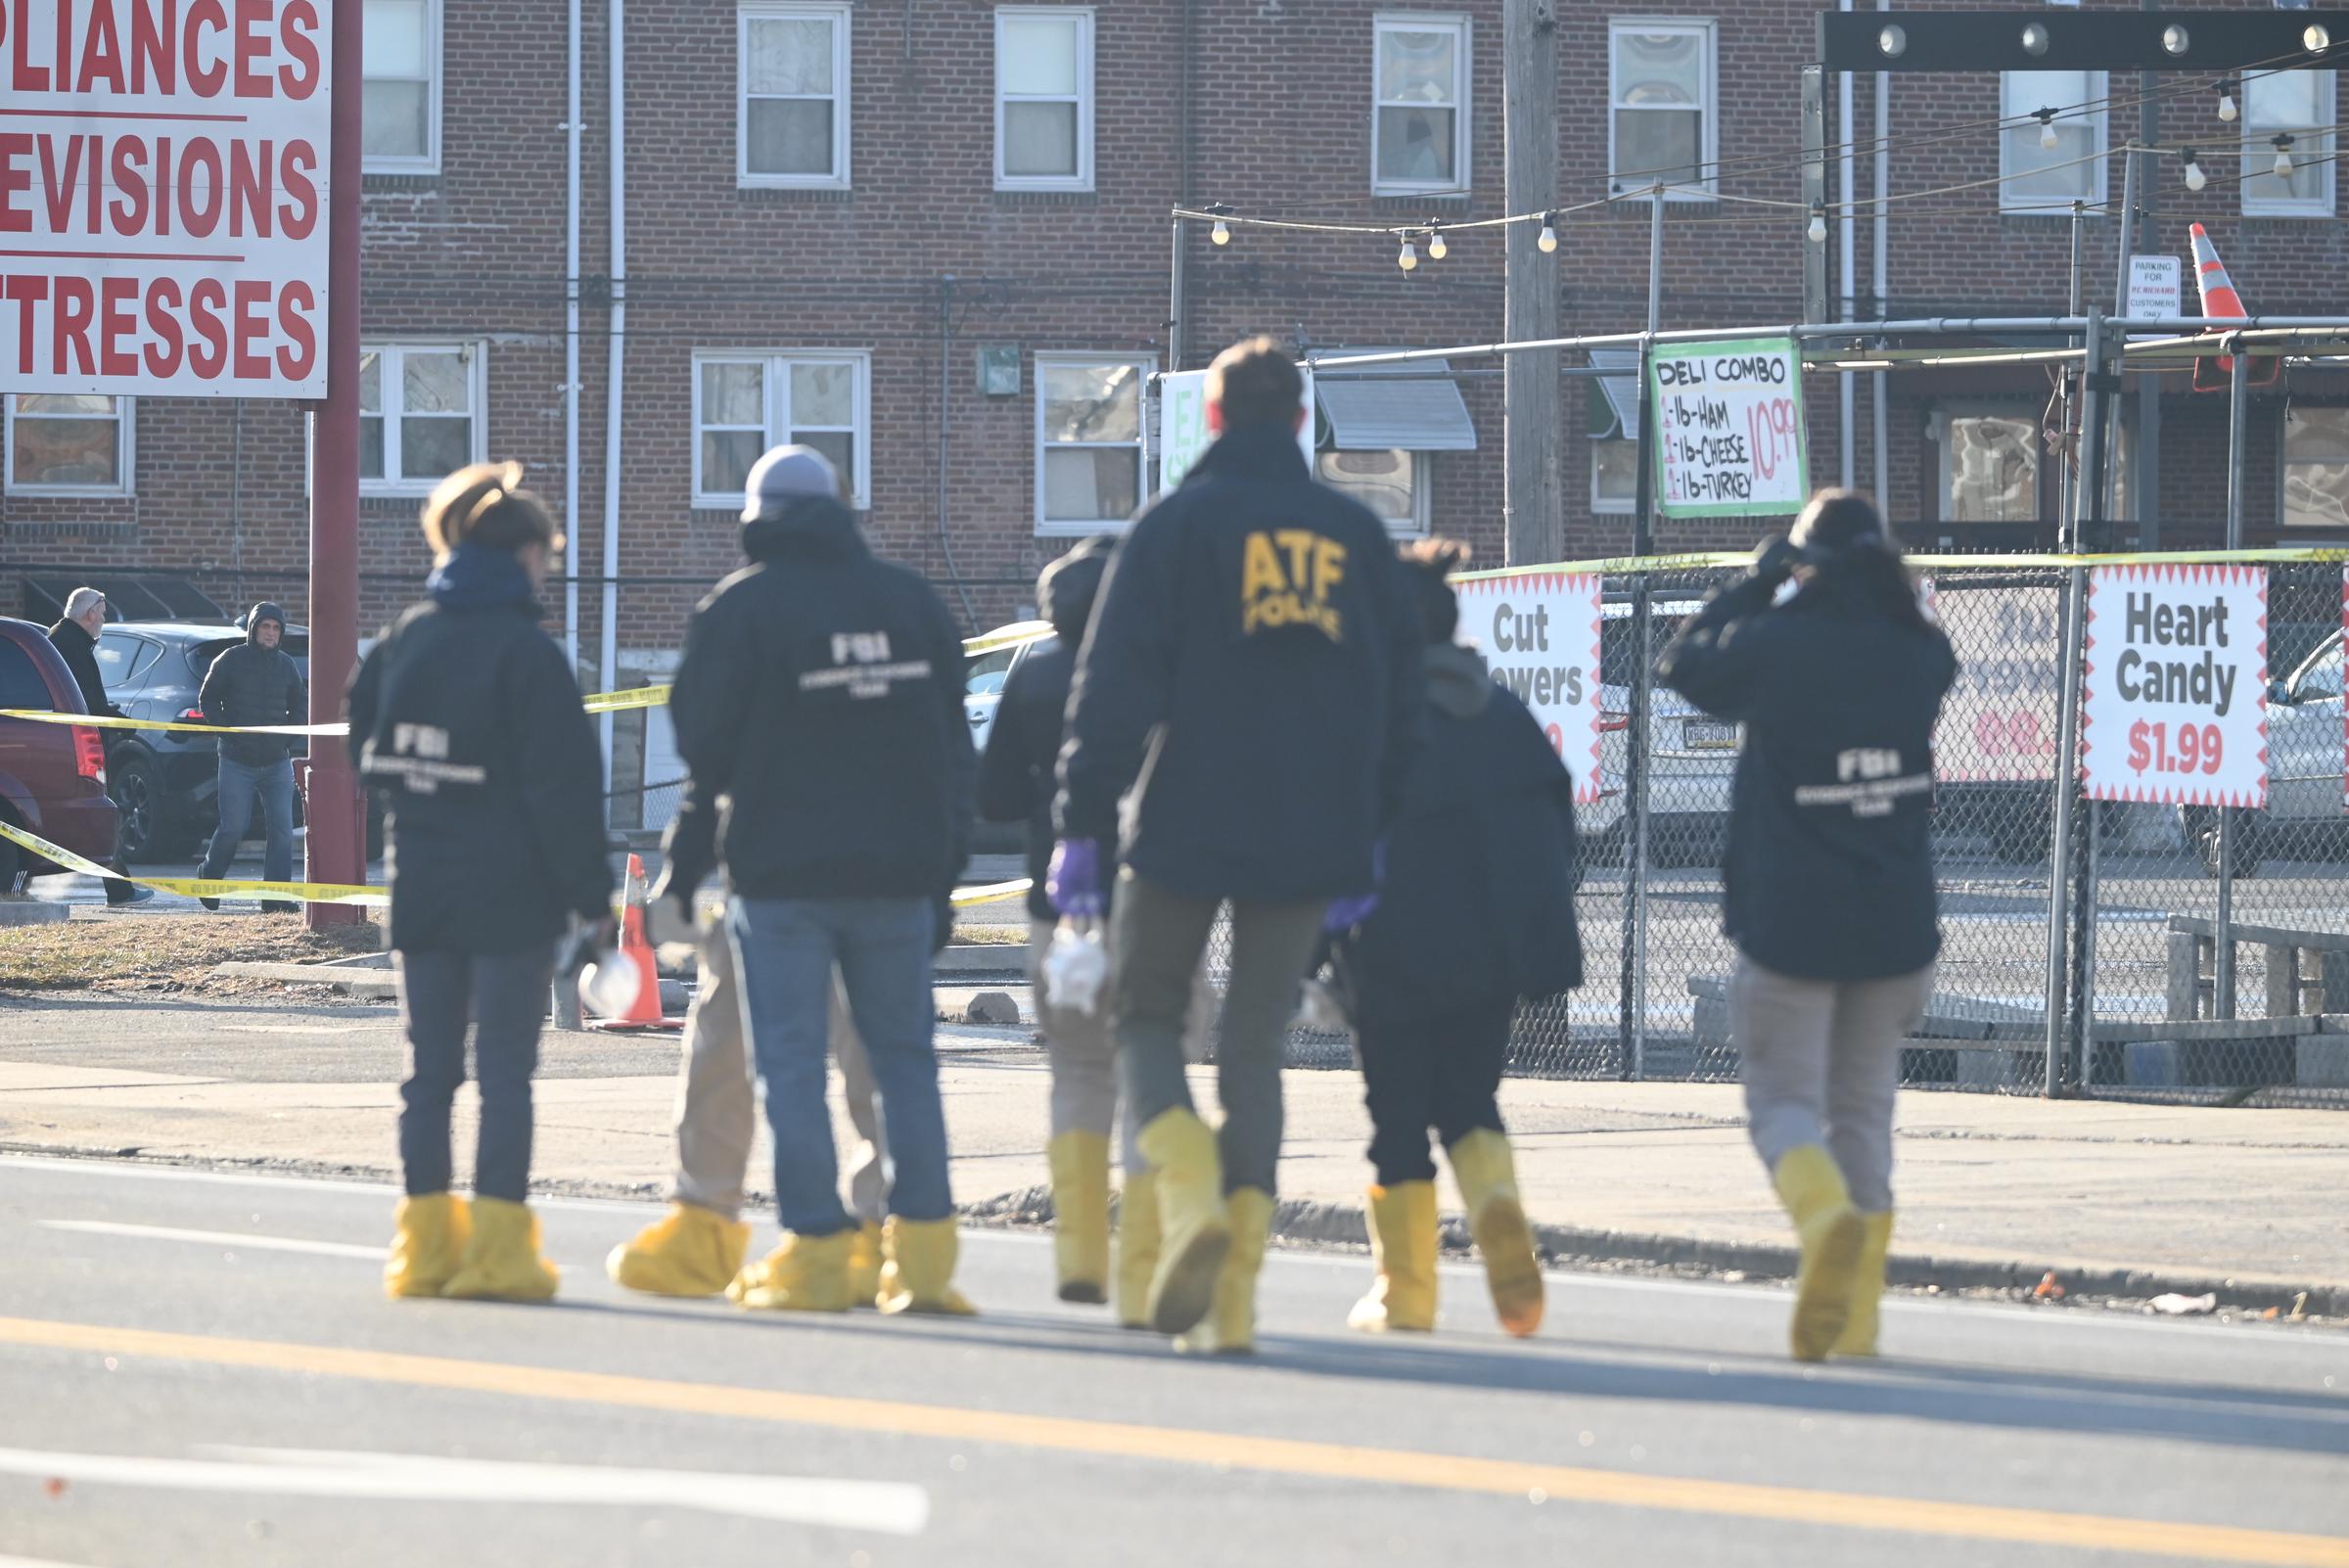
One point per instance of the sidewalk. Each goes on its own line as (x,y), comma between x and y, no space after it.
(2113,1198)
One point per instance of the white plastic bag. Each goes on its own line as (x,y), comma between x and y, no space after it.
(610,983)
(1077,966)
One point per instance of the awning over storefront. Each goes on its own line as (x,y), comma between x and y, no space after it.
(1413,407)
(1613,404)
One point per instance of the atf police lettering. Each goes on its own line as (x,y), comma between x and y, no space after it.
(1286,579)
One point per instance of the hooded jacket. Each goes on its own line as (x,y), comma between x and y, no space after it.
(1015,774)
(252,686)
(466,717)
(1829,871)
(1251,677)
(1477,904)
(820,699)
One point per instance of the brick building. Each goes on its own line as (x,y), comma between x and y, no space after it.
(933,237)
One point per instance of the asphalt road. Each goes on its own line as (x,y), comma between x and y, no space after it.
(198,1369)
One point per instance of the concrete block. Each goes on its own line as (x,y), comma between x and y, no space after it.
(2321,1061)
(992,1008)
(2152,1064)
(33,913)
(1984,1069)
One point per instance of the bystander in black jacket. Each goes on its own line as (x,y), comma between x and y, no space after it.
(1253,676)
(820,698)
(1477,903)
(79,650)
(1829,872)
(467,717)
(252,686)
(1016,771)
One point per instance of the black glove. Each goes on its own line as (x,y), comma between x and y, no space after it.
(941,932)
(1776,559)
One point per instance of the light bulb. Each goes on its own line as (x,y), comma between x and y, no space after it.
(2316,37)
(1409,260)
(1437,249)
(1893,40)
(2227,101)
(1220,233)
(2175,39)
(2195,179)
(1817,231)
(1549,242)
(2283,157)
(2035,39)
(2046,132)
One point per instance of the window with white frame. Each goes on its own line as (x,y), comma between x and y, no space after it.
(2315,467)
(745,402)
(1419,117)
(1043,98)
(2044,106)
(420,414)
(400,106)
(1392,484)
(68,444)
(792,94)
(1663,120)
(1989,464)
(2293,104)
(1089,442)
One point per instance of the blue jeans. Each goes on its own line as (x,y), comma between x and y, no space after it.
(784,953)
(273,784)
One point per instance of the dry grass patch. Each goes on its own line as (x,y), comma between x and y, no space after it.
(163,951)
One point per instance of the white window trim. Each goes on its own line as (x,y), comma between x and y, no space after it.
(777,363)
(1147,365)
(1421,477)
(2318,145)
(1609,505)
(838,15)
(476,355)
(1082,179)
(430,162)
(1708,150)
(2101,127)
(1464,73)
(1982,408)
(126,455)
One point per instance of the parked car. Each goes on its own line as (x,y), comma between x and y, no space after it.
(984,673)
(2304,765)
(52,777)
(1691,755)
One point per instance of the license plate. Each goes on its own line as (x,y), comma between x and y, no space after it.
(1705,735)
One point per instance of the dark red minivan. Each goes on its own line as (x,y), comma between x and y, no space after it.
(52,777)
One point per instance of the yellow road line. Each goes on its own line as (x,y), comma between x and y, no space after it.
(1968,1521)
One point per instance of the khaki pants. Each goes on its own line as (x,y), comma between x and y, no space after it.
(1082,1050)
(1821,1061)
(717,1095)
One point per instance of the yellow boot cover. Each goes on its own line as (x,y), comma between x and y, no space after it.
(864,1265)
(1858,1337)
(502,1262)
(917,1268)
(805,1274)
(1403,1249)
(1137,1247)
(690,1251)
(1229,1327)
(1081,1215)
(1482,1165)
(428,1234)
(1194,1230)
(1812,1188)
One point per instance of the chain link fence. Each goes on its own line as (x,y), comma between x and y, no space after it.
(2137,984)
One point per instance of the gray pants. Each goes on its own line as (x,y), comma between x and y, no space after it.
(1821,1061)
(1156,939)
(502,998)
(717,1095)
(1082,1050)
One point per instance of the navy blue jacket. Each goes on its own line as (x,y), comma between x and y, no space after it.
(1829,874)
(1477,905)
(1252,676)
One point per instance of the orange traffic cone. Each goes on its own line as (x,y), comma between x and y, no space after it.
(645,1012)
(2221,303)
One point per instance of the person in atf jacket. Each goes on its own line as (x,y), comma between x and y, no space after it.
(466,719)
(1475,914)
(1252,676)
(1828,891)
(256,683)
(820,700)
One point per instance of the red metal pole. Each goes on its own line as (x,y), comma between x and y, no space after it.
(336,838)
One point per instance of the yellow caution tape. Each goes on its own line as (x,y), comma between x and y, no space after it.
(204,886)
(992,892)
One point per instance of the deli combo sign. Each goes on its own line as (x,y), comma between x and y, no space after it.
(163,197)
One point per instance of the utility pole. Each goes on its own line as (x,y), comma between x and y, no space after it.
(1535,522)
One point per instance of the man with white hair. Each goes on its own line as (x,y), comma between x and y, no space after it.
(76,640)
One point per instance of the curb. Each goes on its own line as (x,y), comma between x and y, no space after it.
(1316,1224)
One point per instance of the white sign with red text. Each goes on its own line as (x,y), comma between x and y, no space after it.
(163,197)
(1539,632)
(1998,721)
(2175,701)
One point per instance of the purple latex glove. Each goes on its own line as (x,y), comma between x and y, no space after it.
(1344,914)
(1074,881)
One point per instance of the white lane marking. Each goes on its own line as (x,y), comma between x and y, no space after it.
(223,1238)
(887,1506)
